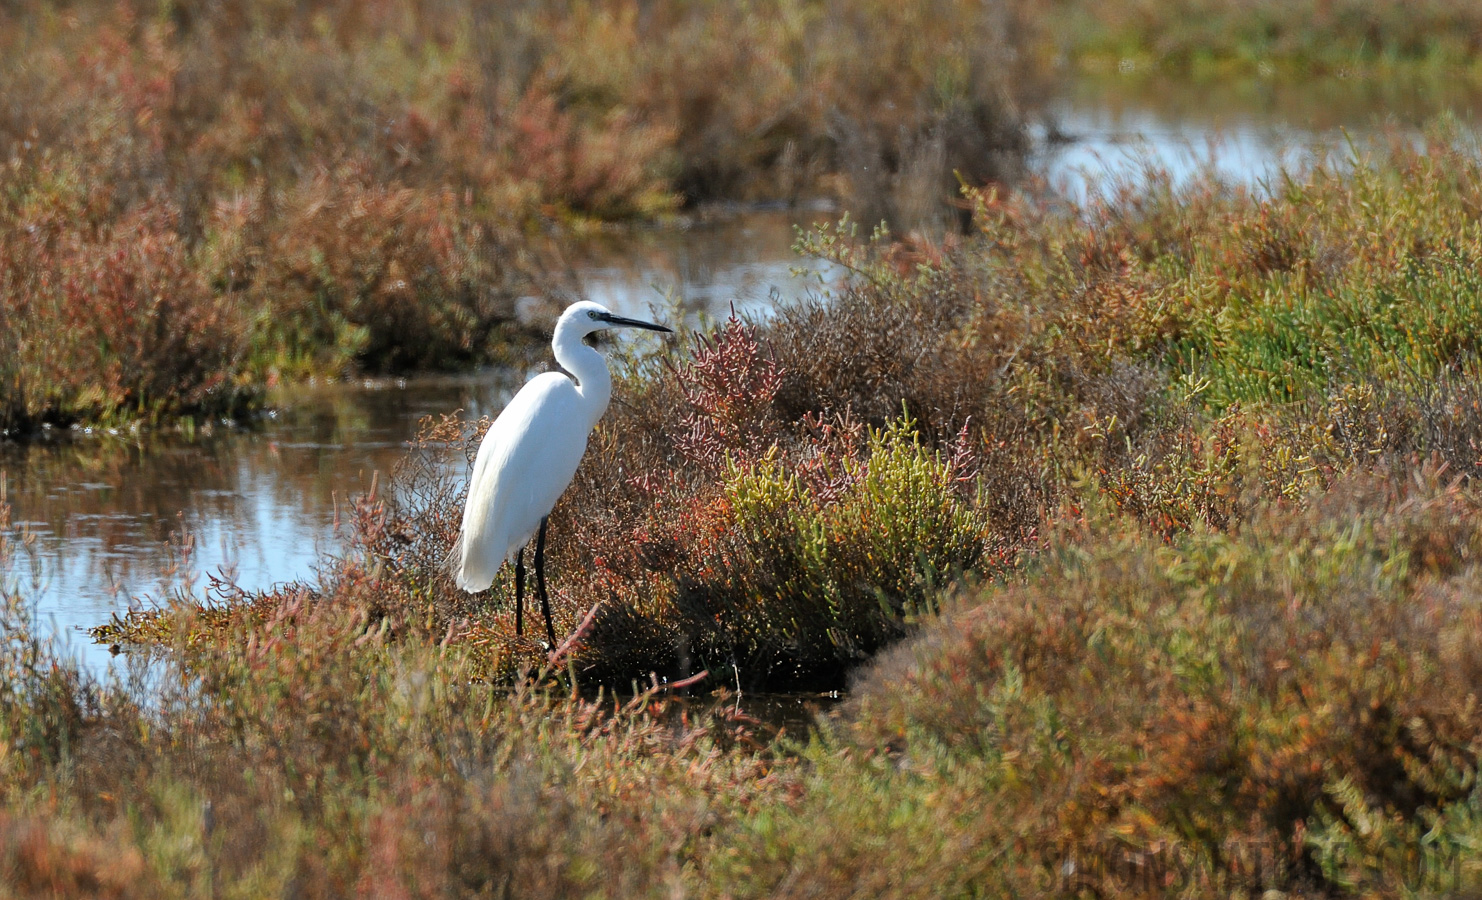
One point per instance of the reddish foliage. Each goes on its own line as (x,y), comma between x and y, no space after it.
(116,321)
(729,385)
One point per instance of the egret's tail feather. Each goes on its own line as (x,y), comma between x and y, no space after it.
(467,573)
(453,562)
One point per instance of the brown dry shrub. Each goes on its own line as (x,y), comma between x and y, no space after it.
(614,110)
(313,751)
(357,174)
(1223,697)
(38,858)
(113,320)
(346,274)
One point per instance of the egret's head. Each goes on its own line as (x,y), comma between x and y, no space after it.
(586,317)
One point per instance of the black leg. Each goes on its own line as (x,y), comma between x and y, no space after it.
(545,603)
(520,592)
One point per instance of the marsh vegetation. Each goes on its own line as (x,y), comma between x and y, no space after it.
(1142,533)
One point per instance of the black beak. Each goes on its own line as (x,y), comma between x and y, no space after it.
(621,322)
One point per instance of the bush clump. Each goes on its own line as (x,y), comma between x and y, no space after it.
(806,566)
(1291,707)
(110,320)
(1286,705)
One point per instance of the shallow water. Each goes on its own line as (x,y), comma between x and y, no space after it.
(1244,130)
(106,513)
(706,266)
(262,504)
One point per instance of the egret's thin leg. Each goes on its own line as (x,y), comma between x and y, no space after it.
(545,604)
(520,592)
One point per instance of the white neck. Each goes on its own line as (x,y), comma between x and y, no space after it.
(593,381)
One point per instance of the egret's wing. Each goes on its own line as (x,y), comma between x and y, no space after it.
(523,465)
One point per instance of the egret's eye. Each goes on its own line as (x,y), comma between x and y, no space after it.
(591,314)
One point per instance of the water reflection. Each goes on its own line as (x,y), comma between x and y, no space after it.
(261,504)
(705,266)
(1112,145)
(1245,130)
(1313,105)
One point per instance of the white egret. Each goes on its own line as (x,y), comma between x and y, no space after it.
(530,455)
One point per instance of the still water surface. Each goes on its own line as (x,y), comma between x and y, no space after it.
(263,503)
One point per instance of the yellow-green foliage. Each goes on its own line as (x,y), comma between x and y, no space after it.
(836,569)
(1288,341)
(1369,273)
